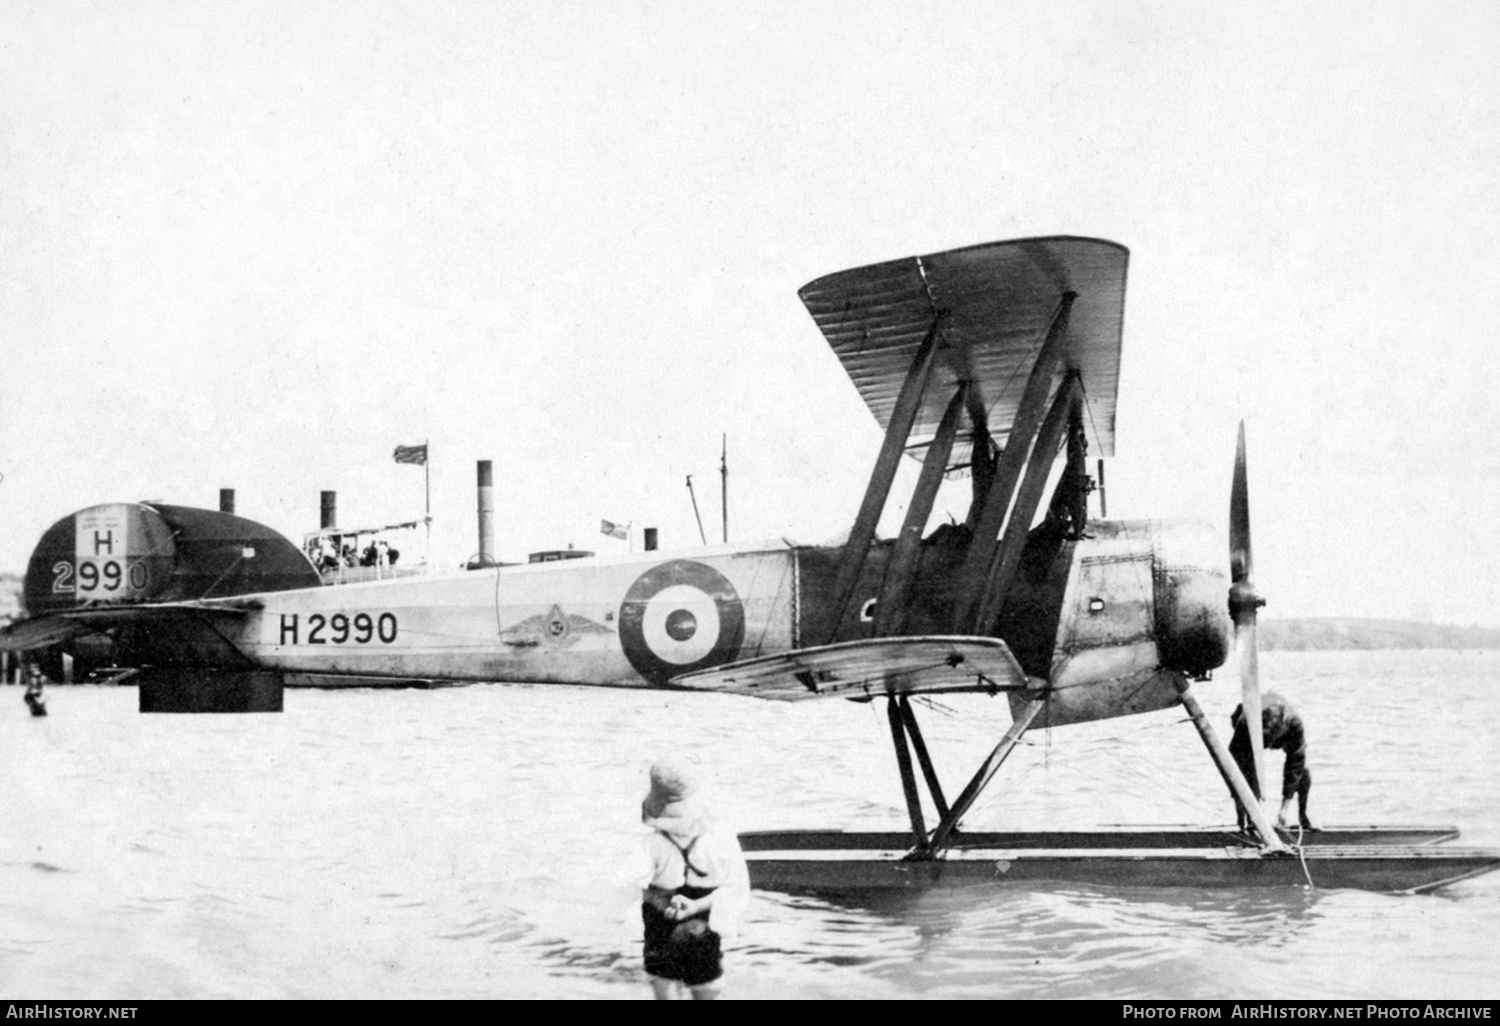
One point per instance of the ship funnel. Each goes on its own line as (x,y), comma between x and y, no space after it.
(650,535)
(330,510)
(486,514)
(226,500)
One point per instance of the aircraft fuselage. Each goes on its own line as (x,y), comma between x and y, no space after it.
(1122,610)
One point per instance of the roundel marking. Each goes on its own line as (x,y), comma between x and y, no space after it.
(681,625)
(680,617)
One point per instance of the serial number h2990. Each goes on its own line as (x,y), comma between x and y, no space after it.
(339,629)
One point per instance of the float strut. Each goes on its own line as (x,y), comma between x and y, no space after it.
(920,747)
(986,773)
(1238,785)
(908,778)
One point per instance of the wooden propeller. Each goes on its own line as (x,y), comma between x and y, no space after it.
(1243,604)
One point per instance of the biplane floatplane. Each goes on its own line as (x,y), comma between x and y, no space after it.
(996,362)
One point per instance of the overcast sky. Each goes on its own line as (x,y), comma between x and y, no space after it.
(258,245)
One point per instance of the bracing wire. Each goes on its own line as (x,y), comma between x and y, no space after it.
(1131,777)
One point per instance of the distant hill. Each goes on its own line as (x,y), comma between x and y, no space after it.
(1335,632)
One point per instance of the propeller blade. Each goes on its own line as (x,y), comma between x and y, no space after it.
(1243,603)
(1239,517)
(1243,600)
(1247,649)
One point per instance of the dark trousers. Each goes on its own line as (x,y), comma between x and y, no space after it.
(682,949)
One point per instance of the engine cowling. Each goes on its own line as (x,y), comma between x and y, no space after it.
(1139,605)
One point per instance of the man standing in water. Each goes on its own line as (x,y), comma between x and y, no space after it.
(36,699)
(1282,728)
(697,889)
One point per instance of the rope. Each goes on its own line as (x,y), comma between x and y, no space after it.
(1302,857)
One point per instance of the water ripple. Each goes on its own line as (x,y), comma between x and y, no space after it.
(472,842)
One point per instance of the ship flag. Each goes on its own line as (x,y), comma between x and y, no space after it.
(614,530)
(411,454)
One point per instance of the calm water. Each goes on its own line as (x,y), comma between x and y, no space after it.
(467,842)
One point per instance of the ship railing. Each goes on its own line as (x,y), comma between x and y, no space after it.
(379,572)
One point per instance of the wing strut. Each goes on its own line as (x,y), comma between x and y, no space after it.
(908,405)
(890,605)
(975,574)
(1033,484)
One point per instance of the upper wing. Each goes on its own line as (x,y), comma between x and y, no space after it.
(998,300)
(879,666)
